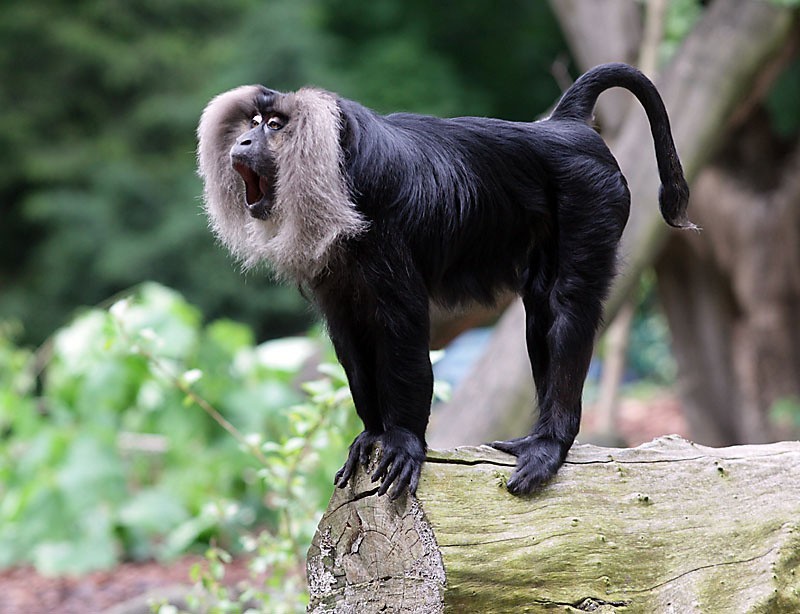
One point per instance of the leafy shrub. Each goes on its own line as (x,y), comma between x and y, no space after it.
(118,448)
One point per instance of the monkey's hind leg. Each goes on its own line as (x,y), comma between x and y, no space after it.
(562,317)
(560,361)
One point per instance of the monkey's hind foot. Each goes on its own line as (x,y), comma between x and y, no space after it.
(402,455)
(538,460)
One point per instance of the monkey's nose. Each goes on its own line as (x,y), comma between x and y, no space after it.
(241,150)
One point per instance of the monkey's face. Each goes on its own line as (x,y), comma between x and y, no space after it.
(274,187)
(253,159)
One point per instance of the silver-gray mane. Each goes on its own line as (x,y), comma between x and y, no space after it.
(313,212)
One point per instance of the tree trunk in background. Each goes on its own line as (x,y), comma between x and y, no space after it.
(719,66)
(732,293)
(603,31)
(710,75)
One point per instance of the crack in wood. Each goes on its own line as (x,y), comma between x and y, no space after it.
(354,498)
(585,604)
(461,461)
(701,568)
(590,604)
(623,461)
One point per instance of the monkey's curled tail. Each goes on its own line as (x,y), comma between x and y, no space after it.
(578,102)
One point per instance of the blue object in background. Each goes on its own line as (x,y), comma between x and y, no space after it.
(460,356)
(463,352)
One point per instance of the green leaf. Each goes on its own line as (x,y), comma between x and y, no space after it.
(153,511)
(91,473)
(187,533)
(288,354)
(94,547)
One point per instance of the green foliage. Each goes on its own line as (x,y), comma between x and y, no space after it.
(17,381)
(786,413)
(97,180)
(123,450)
(277,557)
(447,58)
(679,19)
(782,102)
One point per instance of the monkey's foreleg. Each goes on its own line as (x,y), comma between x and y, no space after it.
(388,367)
(404,381)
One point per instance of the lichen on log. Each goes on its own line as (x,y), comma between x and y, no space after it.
(669,526)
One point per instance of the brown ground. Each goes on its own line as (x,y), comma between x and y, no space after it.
(23,591)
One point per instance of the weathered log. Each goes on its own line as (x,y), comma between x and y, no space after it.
(669,526)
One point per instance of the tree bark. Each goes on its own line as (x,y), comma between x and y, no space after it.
(713,72)
(667,527)
(619,25)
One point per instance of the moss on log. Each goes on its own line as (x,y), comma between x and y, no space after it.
(669,526)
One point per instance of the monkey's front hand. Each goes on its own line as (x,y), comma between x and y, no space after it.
(538,460)
(402,455)
(359,453)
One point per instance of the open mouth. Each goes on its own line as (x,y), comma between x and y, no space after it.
(257,191)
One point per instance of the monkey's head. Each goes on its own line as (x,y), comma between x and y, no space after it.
(275,188)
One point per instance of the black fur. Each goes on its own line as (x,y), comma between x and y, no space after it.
(458,211)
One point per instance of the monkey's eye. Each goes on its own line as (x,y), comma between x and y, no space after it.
(276,122)
(256,120)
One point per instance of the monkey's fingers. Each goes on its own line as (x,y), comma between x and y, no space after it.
(343,475)
(527,480)
(408,479)
(412,487)
(398,469)
(383,467)
(513,446)
(401,477)
(359,452)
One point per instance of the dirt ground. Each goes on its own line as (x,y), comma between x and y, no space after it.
(23,591)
